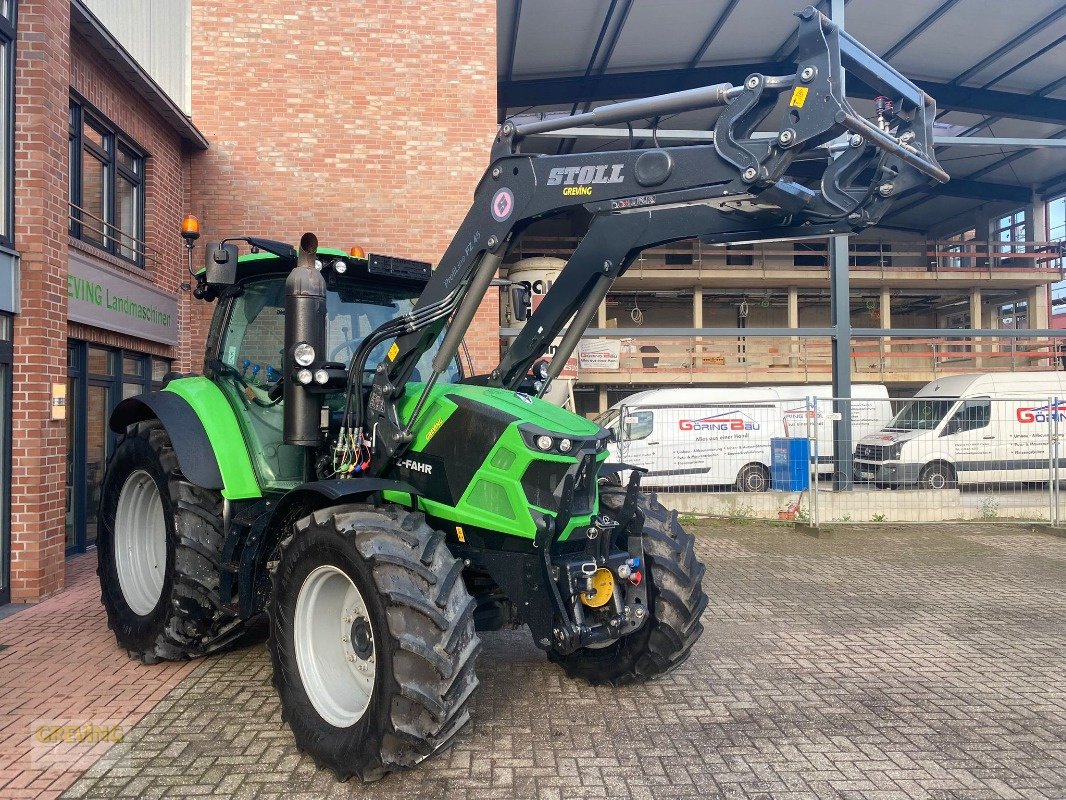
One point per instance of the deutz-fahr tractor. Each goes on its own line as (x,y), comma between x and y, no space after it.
(335,468)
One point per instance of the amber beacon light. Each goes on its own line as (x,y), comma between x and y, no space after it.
(190,229)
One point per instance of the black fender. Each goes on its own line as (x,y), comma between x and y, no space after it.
(261,537)
(193,449)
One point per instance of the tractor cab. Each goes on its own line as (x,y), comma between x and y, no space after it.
(245,354)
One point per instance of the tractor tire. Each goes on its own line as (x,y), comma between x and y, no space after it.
(372,639)
(676,601)
(159,551)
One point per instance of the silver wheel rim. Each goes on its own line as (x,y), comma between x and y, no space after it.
(140,543)
(336,652)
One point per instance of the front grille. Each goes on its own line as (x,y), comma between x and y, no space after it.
(876,452)
(543,484)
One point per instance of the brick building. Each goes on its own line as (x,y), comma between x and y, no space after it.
(120,118)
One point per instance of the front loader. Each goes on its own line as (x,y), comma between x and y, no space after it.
(335,468)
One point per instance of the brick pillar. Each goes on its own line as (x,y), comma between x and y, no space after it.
(39,445)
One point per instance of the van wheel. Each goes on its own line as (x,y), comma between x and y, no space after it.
(753,478)
(937,475)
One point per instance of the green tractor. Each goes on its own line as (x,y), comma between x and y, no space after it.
(335,468)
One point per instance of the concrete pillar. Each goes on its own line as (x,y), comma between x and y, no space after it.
(697,322)
(601,315)
(975,322)
(886,323)
(793,322)
(1038,307)
(1039,218)
(602,395)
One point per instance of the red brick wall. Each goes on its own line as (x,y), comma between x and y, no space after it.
(368,123)
(38,458)
(49,63)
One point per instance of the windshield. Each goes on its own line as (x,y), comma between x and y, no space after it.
(921,415)
(255,335)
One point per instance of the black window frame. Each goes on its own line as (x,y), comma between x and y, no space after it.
(115,240)
(8,38)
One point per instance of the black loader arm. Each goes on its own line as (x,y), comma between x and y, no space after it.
(824,170)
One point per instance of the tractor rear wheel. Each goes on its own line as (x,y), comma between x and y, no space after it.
(676,601)
(159,548)
(372,639)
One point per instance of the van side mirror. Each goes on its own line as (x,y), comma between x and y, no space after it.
(520,301)
(221,265)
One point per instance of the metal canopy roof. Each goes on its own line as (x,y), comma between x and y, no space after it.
(997,68)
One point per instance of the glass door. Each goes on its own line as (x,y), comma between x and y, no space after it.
(98,378)
(97,449)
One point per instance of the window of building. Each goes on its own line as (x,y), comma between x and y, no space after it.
(869,254)
(962,243)
(7,108)
(740,255)
(811,254)
(1056,232)
(1008,232)
(106,185)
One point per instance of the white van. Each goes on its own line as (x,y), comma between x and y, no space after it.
(719,436)
(967,429)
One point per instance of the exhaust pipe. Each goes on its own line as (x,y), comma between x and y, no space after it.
(305,339)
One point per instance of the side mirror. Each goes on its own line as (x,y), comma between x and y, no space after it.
(221,265)
(521,297)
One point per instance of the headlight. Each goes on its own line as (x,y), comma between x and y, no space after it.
(340,266)
(303,354)
(565,445)
(304,376)
(540,370)
(544,442)
(321,376)
(318,264)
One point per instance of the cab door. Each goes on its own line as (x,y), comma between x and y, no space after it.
(975,444)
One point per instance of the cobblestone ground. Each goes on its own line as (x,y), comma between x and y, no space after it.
(877,663)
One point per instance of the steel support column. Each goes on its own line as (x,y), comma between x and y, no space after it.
(840,298)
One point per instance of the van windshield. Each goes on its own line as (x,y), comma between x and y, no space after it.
(609,419)
(921,415)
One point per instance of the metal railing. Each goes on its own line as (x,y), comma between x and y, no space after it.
(110,237)
(770,455)
(887,255)
(789,358)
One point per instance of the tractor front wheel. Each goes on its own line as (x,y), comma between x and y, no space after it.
(372,639)
(675,597)
(159,549)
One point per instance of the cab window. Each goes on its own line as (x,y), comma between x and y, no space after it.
(970,416)
(637,425)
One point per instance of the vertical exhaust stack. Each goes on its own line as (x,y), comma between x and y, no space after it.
(305,327)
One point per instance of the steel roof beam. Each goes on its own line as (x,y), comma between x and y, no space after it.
(623,85)
(919,29)
(1024,36)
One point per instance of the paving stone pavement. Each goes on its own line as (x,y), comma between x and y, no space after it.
(879,663)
